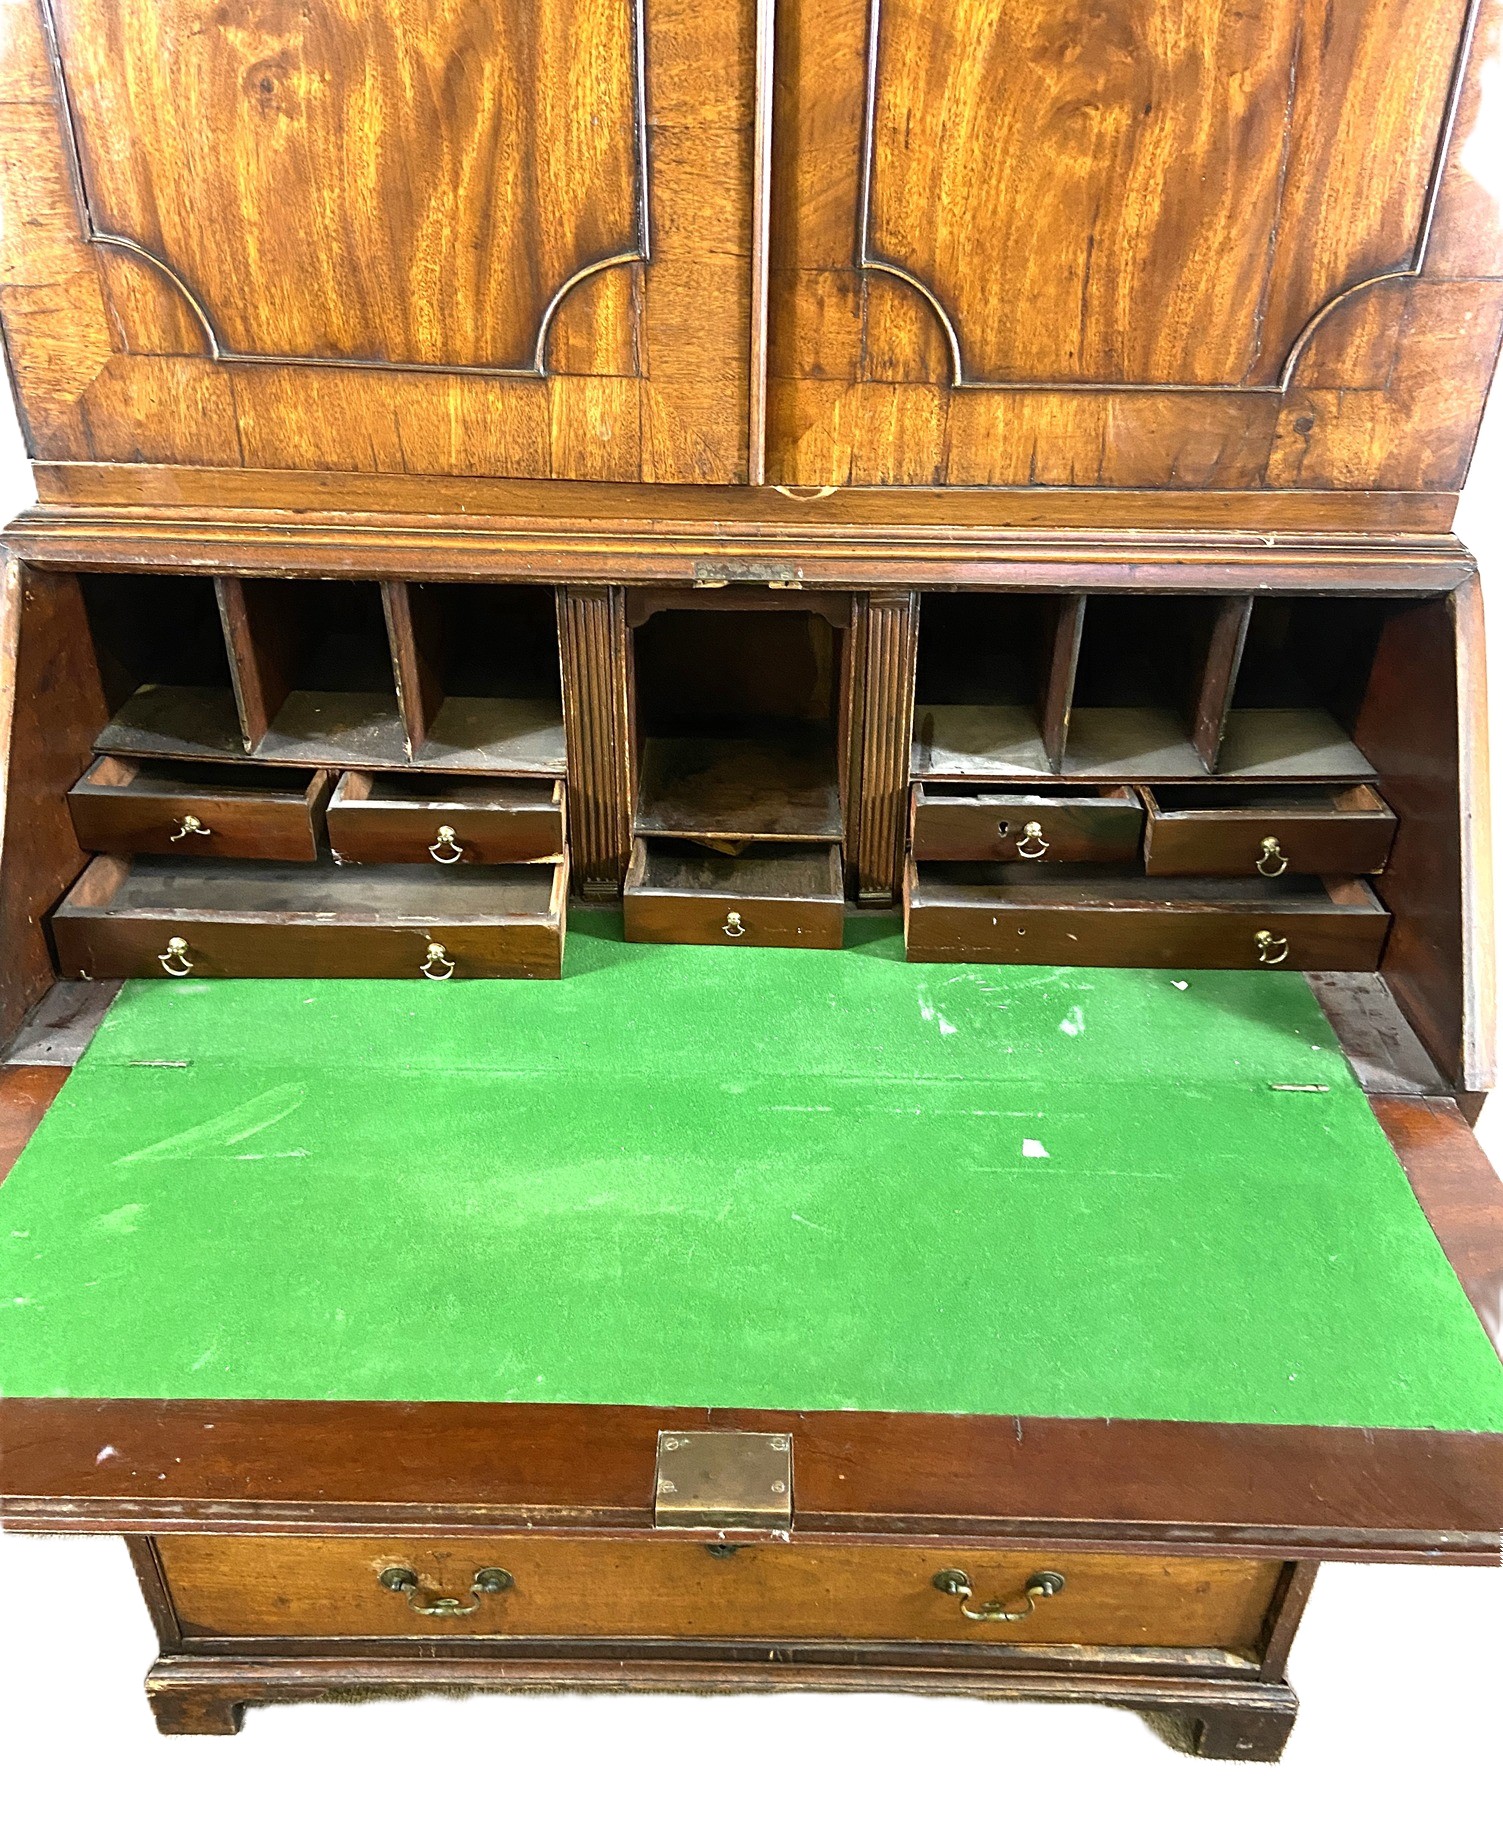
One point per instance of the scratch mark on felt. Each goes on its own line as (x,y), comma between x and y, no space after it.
(242,1122)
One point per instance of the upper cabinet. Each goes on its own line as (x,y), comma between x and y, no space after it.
(1173,244)
(447,236)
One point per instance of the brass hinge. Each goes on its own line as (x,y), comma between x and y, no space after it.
(724,1480)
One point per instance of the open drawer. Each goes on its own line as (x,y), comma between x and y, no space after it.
(388,816)
(778,896)
(1240,830)
(243,918)
(150,806)
(1058,823)
(1077,916)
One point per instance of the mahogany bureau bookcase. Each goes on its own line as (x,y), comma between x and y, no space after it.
(726,478)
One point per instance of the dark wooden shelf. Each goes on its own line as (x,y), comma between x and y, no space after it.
(781,784)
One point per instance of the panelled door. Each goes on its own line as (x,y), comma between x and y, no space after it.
(505,237)
(1132,243)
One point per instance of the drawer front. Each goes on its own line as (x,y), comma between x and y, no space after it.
(1243,843)
(745,923)
(198,823)
(677,1589)
(524,823)
(1005,826)
(114,947)
(1129,936)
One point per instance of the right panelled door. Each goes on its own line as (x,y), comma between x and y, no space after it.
(1207,244)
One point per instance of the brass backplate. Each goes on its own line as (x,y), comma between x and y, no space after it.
(724,1480)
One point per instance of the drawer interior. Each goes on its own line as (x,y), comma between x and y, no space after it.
(795,871)
(157,778)
(1312,800)
(265,891)
(1005,883)
(377,791)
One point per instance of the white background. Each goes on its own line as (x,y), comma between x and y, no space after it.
(1399,1671)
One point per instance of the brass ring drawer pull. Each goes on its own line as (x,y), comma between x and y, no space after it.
(439,965)
(1041,1587)
(1271,949)
(446,839)
(733,925)
(175,958)
(1031,843)
(445,1606)
(189,825)
(1272,860)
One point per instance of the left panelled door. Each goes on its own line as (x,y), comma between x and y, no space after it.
(420,236)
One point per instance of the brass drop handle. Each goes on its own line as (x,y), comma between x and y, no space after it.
(733,925)
(1031,843)
(445,1606)
(175,959)
(1271,949)
(189,825)
(1272,860)
(446,839)
(440,964)
(1040,1587)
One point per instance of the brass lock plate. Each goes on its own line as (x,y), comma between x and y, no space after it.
(724,1480)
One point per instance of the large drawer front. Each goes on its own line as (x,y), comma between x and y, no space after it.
(678,1588)
(980,914)
(238,919)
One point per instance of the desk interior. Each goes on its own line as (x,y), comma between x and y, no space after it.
(765,1178)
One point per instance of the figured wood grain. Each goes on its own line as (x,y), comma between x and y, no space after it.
(1174,190)
(595,648)
(410,185)
(674,1588)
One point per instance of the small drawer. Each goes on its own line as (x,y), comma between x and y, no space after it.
(1069,916)
(1063,823)
(249,919)
(671,1588)
(1238,831)
(247,812)
(781,896)
(391,816)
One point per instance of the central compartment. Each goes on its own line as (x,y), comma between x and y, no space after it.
(742,714)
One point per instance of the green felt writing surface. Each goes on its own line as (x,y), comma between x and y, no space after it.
(795,1179)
